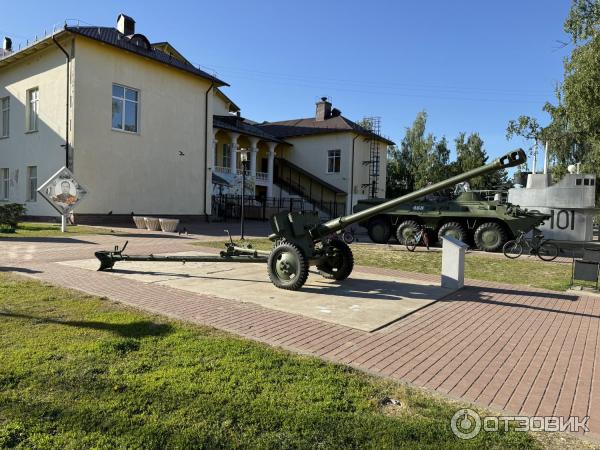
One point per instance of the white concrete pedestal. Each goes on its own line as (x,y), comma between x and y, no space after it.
(453,263)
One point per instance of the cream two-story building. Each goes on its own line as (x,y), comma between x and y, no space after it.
(149,133)
(135,117)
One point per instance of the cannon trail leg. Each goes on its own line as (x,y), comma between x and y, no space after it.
(107,262)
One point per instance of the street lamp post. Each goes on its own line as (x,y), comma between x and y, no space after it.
(244,160)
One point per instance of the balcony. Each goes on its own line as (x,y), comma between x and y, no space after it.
(223,169)
(262,177)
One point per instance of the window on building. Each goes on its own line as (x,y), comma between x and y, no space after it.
(4,183)
(32,183)
(33,107)
(578,181)
(333,161)
(586,181)
(5,111)
(125,109)
(226,155)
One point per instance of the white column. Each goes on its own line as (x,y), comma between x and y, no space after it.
(234,148)
(253,153)
(270,168)
(215,150)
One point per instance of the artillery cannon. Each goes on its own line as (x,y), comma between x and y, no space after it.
(301,239)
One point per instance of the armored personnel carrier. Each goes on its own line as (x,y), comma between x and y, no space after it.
(468,216)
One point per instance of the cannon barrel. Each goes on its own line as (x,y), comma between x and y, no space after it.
(511,159)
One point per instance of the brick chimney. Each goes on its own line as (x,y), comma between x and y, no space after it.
(125,25)
(323,109)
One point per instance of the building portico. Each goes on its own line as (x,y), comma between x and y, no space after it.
(232,137)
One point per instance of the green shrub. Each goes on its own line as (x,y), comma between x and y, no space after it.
(10,215)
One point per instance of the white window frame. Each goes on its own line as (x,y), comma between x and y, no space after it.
(123,101)
(31,190)
(4,111)
(32,110)
(332,155)
(4,183)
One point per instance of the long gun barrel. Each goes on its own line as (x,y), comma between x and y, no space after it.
(511,159)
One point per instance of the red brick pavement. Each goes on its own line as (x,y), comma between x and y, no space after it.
(519,350)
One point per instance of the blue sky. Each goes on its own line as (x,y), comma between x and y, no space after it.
(472,65)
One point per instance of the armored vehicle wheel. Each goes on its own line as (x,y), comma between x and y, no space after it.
(287,266)
(380,230)
(406,230)
(340,262)
(489,236)
(453,229)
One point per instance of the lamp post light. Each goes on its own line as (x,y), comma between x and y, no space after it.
(244,161)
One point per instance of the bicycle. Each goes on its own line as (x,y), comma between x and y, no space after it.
(421,236)
(537,245)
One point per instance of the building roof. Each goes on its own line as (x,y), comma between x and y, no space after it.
(310,127)
(239,125)
(135,44)
(167,48)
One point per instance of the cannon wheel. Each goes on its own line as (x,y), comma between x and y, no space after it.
(340,263)
(380,230)
(287,266)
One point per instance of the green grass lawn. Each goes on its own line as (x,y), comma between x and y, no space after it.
(83,372)
(524,271)
(33,229)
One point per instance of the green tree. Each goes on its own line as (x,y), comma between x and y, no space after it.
(421,159)
(398,177)
(574,131)
(471,154)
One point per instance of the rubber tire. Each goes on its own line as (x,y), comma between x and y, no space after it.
(518,249)
(411,245)
(453,226)
(551,254)
(407,224)
(488,227)
(384,235)
(344,270)
(298,281)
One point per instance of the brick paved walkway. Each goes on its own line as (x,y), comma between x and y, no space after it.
(523,351)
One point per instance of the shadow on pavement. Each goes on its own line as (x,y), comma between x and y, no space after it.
(51,240)
(351,288)
(491,296)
